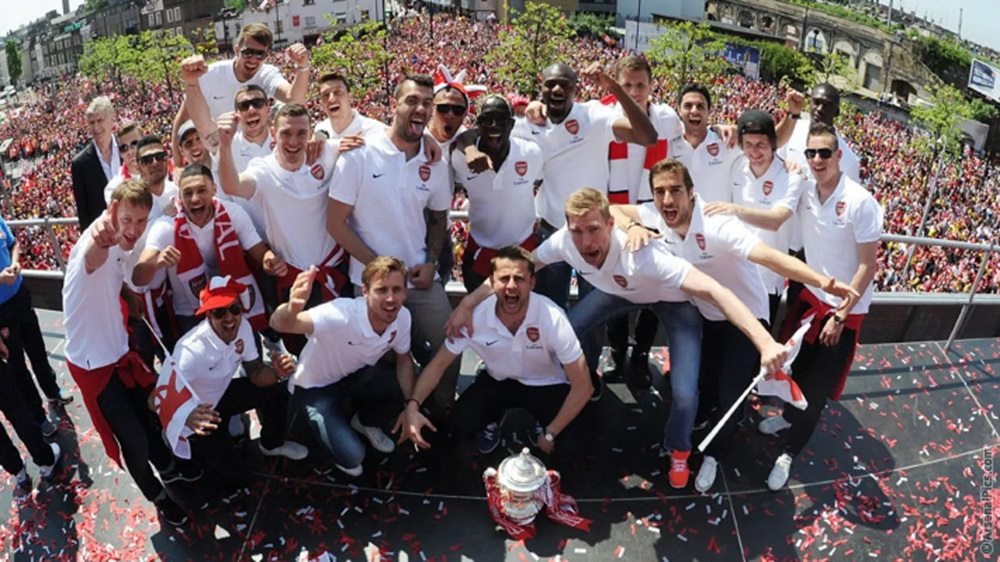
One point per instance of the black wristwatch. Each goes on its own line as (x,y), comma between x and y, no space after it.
(795,115)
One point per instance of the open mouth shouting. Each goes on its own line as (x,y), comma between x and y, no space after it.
(670,215)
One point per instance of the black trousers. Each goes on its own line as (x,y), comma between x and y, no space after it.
(646,325)
(729,361)
(217,451)
(817,371)
(138,434)
(24,336)
(24,425)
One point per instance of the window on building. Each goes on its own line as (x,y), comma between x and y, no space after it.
(308,2)
(170,16)
(310,21)
(177,13)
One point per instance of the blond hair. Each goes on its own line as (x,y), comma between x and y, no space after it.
(134,192)
(587,199)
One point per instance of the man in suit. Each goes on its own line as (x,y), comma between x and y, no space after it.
(98,162)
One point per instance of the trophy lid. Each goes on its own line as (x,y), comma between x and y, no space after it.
(522,473)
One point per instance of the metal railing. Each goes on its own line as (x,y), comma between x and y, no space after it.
(889,298)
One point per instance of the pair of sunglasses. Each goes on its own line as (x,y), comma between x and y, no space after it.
(234,309)
(249,53)
(824,153)
(456,110)
(255,103)
(123,148)
(148,159)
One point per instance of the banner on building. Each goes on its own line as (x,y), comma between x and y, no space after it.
(744,57)
(983,78)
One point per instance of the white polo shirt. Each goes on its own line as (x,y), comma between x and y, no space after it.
(343,341)
(243,152)
(709,166)
(208,363)
(576,155)
(832,230)
(161,235)
(359,125)
(669,132)
(389,195)
(776,188)
(95,329)
(646,276)
(719,247)
(294,206)
(794,151)
(534,355)
(219,84)
(502,202)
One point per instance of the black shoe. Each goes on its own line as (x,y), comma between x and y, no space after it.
(598,383)
(171,512)
(61,399)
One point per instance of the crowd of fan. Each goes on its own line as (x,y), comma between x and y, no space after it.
(48,130)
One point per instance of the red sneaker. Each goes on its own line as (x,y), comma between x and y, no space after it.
(679,471)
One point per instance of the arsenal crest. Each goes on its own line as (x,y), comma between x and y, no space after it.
(700,239)
(197,284)
(521,167)
(620,279)
(425,172)
(573,126)
(841,206)
(532,333)
(317,171)
(239,346)
(713,149)
(768,187)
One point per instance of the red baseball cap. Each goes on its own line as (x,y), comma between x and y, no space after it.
(220,293)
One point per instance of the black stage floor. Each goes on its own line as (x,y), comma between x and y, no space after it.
(902,468)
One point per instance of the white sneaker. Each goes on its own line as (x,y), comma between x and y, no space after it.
(772,425)
(779,474)
(706,474)
(46,472)
(288,449)
(353,471)
(379,440)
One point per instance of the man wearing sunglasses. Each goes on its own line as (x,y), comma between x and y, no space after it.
(151,159)
(204,364)
(220,80)
(841,226)
(128,139)
(502,198)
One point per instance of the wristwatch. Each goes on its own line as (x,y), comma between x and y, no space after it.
(549,436)
(633,223)
(837,319)
(795,115)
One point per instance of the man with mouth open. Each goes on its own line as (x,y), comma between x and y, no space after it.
(532,358)
(114,382)
(627,280)
(342,120)
(292,197)
(727,251)
(574,139)
(208,237)
(343,360)
(205,363)
(378,198)
(708,157)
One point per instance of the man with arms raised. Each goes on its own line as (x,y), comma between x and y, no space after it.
(841,226)
(292,196)
(115,383)
(341,362)
(378,198)
(532,360)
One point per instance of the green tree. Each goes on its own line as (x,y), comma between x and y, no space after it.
(983,111)
(13,60)
(586,24)
(687,52)
(536,38)
(94,5)
(238,5)
(359,52)
(778,62)
(152,57)
(947,110)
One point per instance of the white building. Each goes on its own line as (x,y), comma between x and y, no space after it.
(301,20)
(4,73)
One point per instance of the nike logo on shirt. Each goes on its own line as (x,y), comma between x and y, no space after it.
(491,342)
(376,176)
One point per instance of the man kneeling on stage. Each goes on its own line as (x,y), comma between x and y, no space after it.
(202,389)
(533,361)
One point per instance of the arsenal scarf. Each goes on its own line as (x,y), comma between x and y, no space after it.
(191,267)
(559,507)
(629,165)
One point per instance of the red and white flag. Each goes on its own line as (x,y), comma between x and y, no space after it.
(174,401)
(781,384)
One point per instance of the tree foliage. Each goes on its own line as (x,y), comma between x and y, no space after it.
(779,62)
(149,57)
(942,118)
(946,58)
(687,52)
(586,24)
(536,38)
(94,5)
(359,52)
(13,60)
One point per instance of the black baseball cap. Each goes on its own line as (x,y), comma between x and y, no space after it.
(756,122)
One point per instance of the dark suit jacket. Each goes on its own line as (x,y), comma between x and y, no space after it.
(89,182)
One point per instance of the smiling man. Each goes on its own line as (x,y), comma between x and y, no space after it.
(98,162)
(532,360)
(341,118)
(342,361)
(386,199)
(207,238)
(114,382)
(292,196)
